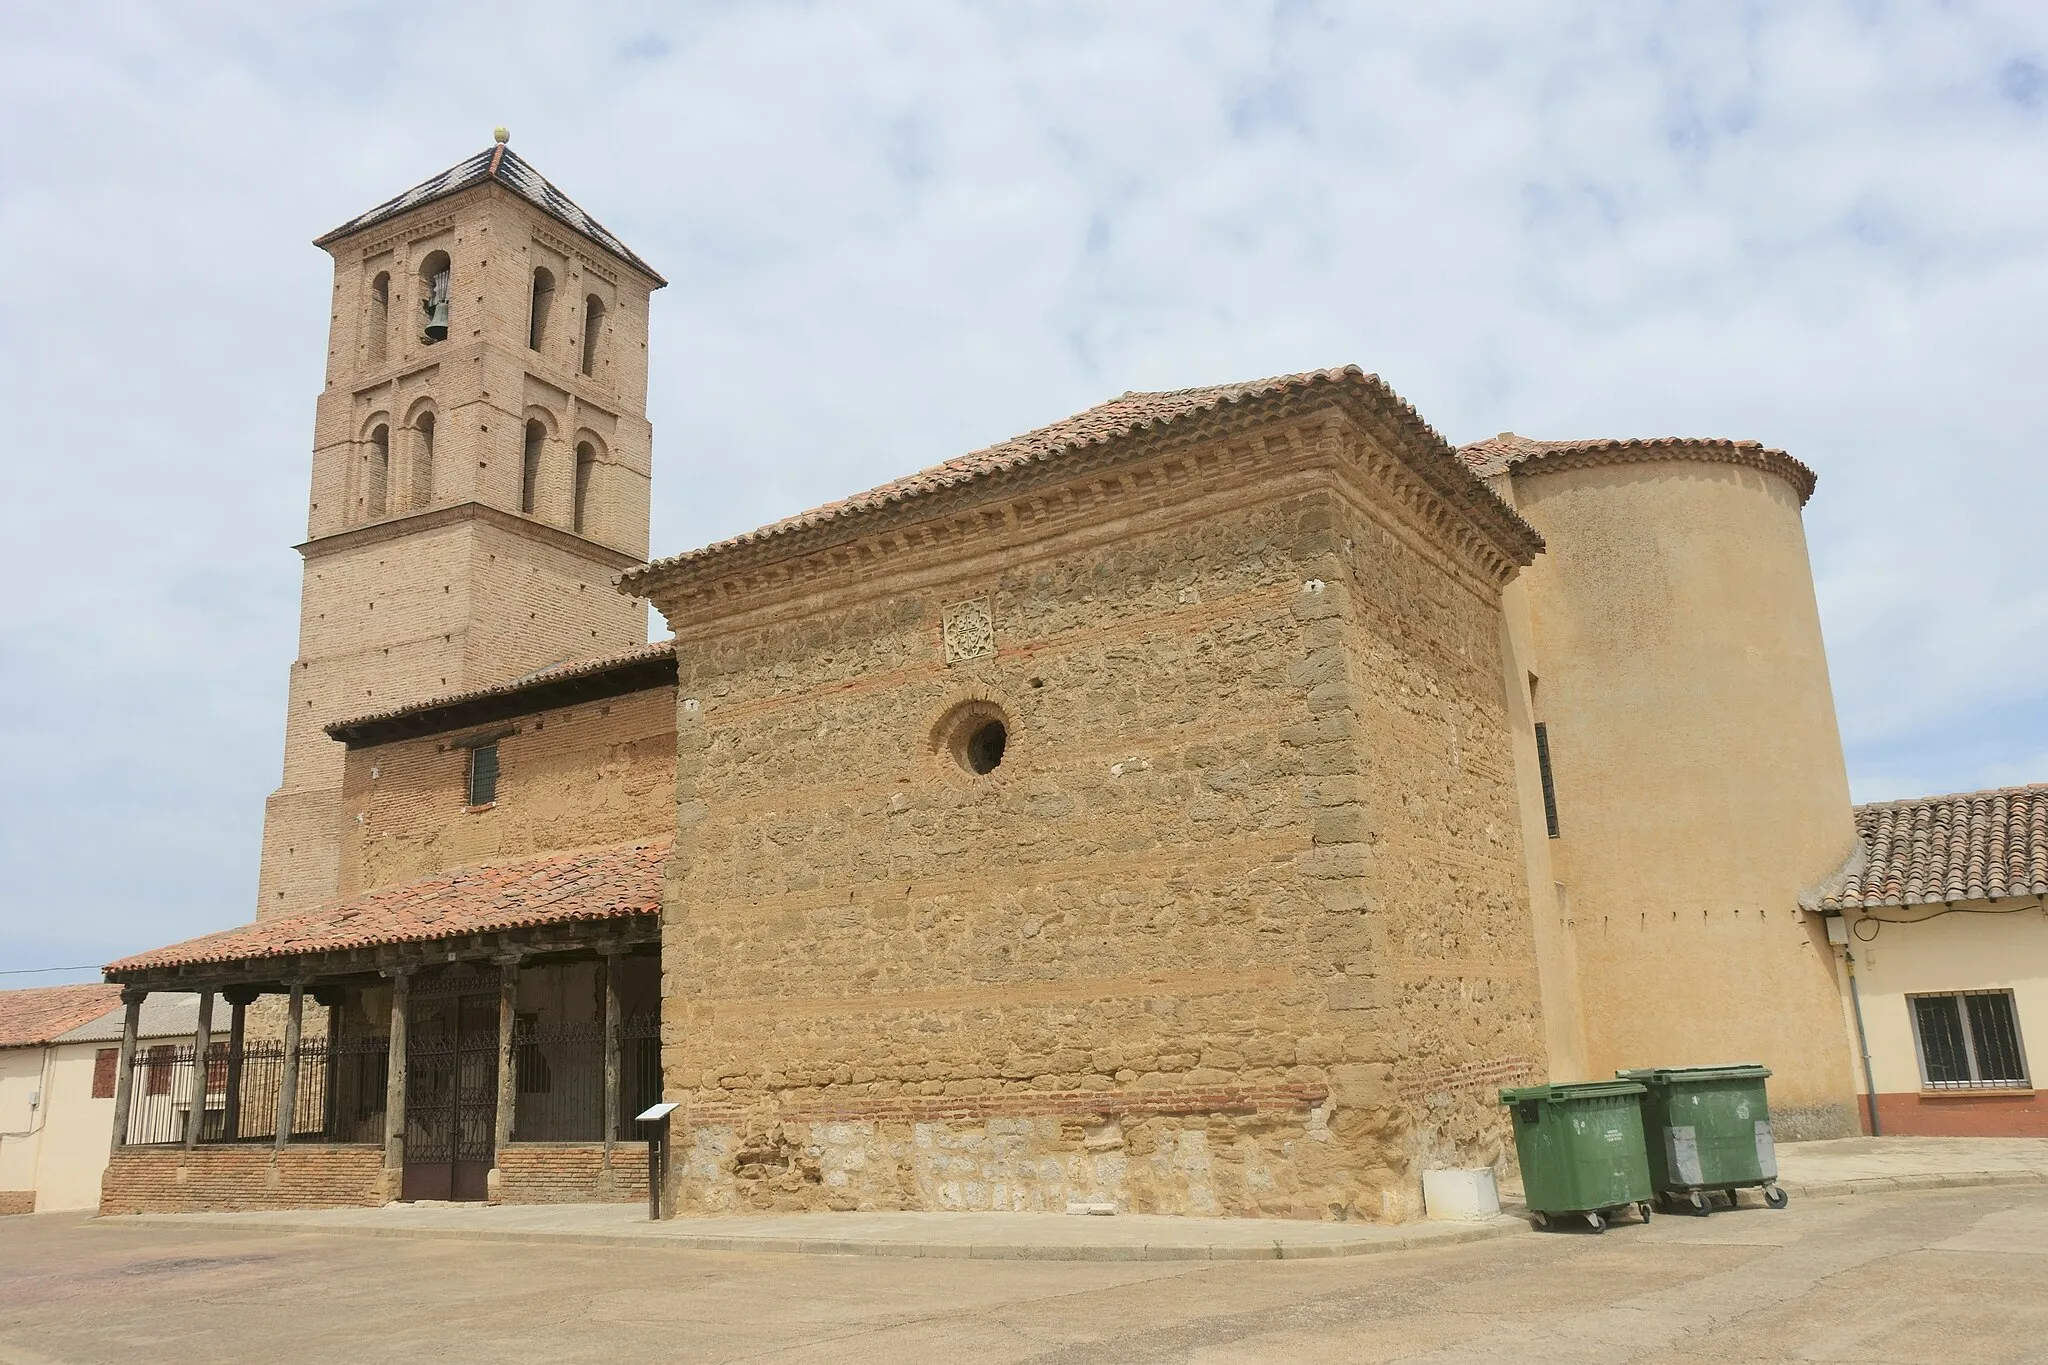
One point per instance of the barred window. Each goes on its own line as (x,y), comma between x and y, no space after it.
(1968,1041)
(1549,786)
(483,775)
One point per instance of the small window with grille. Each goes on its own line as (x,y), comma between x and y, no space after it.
(483,775)
(1968,1041)
(1549,785)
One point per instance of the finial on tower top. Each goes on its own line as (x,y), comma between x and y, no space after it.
(502,133)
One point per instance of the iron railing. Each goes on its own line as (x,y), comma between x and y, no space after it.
(340,1095)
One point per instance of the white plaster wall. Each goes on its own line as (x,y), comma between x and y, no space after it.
(77,1132)
(21,1081)
(1954,952)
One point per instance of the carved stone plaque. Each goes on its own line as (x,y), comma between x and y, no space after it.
(970,631)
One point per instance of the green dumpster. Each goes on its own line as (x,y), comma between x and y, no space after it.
(1581,1150)
(1709,1130)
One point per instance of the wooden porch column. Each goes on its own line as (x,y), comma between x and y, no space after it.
(288,1084)
(238,1017)
(394,1082)
(612,1023)
(508,1073)
(202,1043)
(124,1067)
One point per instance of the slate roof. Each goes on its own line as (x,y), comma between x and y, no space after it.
(1974,846)
(164,1014)
(1132,415)
(32,1017)
(550,888)
(558,684)
(1498,454)
(506,167)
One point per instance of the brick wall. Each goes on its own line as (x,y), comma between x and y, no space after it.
(596,773)
(1238,926)
(24,1201)
(222,1179)
(572,1173)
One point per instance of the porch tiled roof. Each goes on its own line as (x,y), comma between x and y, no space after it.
(551,888)
(461,707)
(32,1017)
(1973,846)
(1507,451)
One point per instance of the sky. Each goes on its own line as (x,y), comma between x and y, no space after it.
(896,232)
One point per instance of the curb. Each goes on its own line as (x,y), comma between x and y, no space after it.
(1889,1184)
(1439,1235)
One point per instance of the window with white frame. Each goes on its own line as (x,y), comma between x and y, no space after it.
(1969,1040)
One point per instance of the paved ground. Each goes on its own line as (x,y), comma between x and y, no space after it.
(1948,1275)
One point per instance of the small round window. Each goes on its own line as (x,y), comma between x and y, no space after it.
(974,735)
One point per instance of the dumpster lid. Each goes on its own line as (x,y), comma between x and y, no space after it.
(1572,1090)
(1681,1075)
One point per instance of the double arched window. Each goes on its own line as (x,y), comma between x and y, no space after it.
(378,324)
(377,477)
(593,328)
(529,466)
(543,308)
(423,460)
(586,469)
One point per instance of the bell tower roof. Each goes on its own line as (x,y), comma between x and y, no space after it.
(506,167)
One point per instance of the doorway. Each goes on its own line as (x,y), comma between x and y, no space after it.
(451,1106)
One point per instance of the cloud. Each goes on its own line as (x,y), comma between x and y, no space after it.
(897,232)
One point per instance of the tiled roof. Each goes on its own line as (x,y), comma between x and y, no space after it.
(1976,846)
(1498,454)
(551,888)
(460,708)
(501,164)
(1131,415)
(32,1017)
(165,1014)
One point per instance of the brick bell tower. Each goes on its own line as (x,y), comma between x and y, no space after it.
(481,458)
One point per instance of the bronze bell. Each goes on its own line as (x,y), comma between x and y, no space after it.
(435,306)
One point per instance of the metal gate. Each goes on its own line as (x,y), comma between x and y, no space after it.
(451,1084)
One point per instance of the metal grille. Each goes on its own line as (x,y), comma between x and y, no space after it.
(639,1070)
(561,1084)
(340,1095)
(1969,1041)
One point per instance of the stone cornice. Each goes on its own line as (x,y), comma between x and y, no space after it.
(433,518)
(1433,483)
(1595,454)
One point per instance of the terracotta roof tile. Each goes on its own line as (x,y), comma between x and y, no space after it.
(552,888)
(1127,416)
(565,671)
(30,1018)
(505,166)
(1498,454)
(1974,846)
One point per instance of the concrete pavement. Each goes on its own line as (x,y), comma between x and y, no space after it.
(1948,1275)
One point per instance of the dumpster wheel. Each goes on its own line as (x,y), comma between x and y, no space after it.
(1540,1219)
(1776,1197)
(1643,1210)
(1596,1220)
(1701,1205)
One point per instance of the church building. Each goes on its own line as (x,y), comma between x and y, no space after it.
(1203,804)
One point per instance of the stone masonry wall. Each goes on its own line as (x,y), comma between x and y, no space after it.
(17,1201)
(599,772)
(1237,926)
(224,1179)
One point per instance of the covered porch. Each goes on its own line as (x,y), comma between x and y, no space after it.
(483,1034)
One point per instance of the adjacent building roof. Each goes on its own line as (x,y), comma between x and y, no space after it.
(1499,454)
(1130,419)
(164,1014)
(30,1018)
(550,888)
(1974,846)
(558,684)
(501,165)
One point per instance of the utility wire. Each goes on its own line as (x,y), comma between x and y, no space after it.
(42,971)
